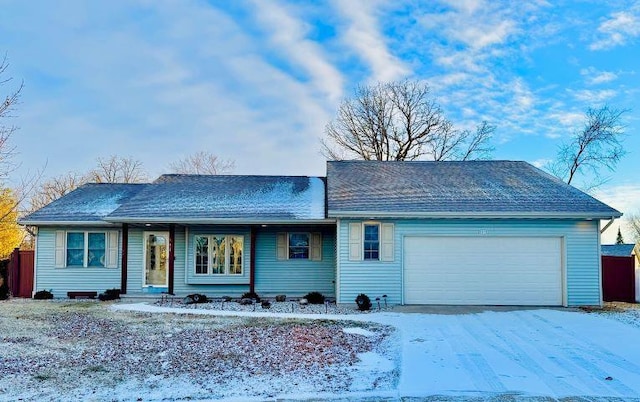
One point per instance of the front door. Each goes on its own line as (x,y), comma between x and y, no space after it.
(156,256)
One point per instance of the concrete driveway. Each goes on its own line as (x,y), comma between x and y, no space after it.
(539,352)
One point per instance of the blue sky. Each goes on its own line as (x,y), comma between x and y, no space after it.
(256,81)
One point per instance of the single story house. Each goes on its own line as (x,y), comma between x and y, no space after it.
(475,232)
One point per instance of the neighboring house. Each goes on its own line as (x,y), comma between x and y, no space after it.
(623,255)
(481,232)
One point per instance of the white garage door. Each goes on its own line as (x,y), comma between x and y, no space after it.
(483,270)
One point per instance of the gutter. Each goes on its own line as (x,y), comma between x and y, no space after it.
(471,215)
(228,221)
(66,223)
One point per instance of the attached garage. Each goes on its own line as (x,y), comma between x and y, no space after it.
(483,270)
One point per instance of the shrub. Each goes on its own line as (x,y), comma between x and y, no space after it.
(315,298)
(109,294)
(251,295)
(43,295)
(281,298)
(363,302)
(196,298)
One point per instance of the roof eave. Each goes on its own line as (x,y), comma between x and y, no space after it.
(29,222)
(479,215)
(219,221)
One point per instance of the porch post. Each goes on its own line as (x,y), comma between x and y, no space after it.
(172,237)
(123,263)
(252,261)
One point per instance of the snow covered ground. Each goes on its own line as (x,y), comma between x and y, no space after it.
(533,354)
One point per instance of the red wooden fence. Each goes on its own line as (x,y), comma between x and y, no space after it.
(618,279)
(21,273)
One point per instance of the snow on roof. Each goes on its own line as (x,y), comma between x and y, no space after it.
(617,250)
(88,203)
(182,198)
(470,188)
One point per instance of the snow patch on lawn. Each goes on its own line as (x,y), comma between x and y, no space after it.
(358,331)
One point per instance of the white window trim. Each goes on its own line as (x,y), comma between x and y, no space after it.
(61,250)
(227,255)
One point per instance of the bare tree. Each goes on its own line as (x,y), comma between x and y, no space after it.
(597,145)
(202,163)
(633,222)
(55,188)
(6,108)
(117,169)
(399,121)
(114,169)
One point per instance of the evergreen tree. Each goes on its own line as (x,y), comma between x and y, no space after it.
(619,239)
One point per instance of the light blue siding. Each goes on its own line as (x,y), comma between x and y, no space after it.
(62,280)
(375,278)
(294,277)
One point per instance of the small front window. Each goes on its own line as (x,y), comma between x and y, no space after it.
(86,249)
(371,242)
(299,246)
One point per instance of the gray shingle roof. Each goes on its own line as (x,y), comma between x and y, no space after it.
(439,189)
(617,250)
(200,199)
(88,203)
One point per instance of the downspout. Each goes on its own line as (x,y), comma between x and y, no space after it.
(123,266)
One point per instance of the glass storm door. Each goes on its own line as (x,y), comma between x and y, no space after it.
(156,246)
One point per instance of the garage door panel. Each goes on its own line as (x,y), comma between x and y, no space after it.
(483,270)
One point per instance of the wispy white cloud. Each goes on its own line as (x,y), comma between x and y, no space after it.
(289,35)
(618,29)
(594,77)
(363,33)
(591,96)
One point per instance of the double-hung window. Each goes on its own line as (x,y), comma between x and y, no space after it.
(371,242)
(219,254)
(299,246)
(86,249)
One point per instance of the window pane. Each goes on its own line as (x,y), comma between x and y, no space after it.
(75,249)
(217,254)
(96,250)
(235,255)
(371,232)
(202,254)
(299,245)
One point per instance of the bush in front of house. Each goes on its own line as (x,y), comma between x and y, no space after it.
(315,298)
(363,302)
(109,294)
(43,295)
(196,298)
(251,295)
